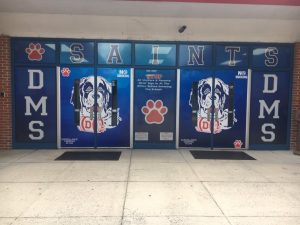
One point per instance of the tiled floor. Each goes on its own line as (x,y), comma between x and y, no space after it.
(149,187)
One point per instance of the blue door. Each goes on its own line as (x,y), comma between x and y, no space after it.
(95,108)
(213,108)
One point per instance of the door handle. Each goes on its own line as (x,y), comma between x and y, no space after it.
(77,105)
(231,105)
(114,104)
(194,102)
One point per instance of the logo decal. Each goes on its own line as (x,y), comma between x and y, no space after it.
(35,52)
(154,111)
(65,72)
(205,103)
(237,144)
(88,106)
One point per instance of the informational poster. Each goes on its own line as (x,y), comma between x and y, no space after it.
(154,108)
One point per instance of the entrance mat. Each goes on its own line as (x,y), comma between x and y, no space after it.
(223,155)
(90,156)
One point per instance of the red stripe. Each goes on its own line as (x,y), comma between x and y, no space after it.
(252,2)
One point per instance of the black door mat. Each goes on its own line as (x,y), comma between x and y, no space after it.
(115,156)
(223,155)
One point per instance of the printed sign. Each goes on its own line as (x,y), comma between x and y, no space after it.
(154,108)
(195,55)
(269,109)
(155,54)
(35,106)
(34,52)
(271,57)
(232,56)
(114,53)
(76,52)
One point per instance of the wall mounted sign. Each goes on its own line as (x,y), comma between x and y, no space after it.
(219,70)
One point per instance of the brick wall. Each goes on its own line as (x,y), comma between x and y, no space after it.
(296,99)
(5,102)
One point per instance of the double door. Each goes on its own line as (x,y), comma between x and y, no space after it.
(213,108)
(94,107)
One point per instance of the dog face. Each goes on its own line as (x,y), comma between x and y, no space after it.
(88,91)
(205,95)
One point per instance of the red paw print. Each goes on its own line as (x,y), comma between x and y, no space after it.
(35,52)
(154,112)
(237,144)
(65,72)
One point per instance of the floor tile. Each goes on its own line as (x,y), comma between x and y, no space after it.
(169,198)
(175,220)
(42,156)
(32,172)
(15,198)
(253,199)
(80,199)
(95,171)
(146,171)
(7,221)
(264,220)
(293,189)
(157,155)
(225,171)
(8,156)
(69,221)
(277,172)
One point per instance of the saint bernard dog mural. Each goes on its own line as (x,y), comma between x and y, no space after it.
(205,100)
(88,90)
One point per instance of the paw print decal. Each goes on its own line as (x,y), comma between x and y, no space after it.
(154,112)
(237,144)
(65,72)
(35,52)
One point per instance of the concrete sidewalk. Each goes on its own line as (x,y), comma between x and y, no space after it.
(149,188)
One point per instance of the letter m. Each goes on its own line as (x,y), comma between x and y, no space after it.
(42,102)
(274,107)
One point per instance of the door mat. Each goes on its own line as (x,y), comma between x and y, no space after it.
(90,156)
(223,155)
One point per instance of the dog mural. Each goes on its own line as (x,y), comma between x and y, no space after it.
(103,107)
(205,102)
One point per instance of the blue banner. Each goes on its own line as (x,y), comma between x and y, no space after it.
(154,108)
(77,52)
(155,54)
(35,106)
(195,55)
(271,57)
(231,56)
(34,52)
(269,109)
(114,53)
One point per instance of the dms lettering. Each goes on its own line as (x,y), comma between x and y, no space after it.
(36,126)
(270,87)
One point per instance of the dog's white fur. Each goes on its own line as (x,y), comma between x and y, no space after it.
(205,100)
(87,91)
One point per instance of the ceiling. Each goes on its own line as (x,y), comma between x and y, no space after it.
(151,9)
